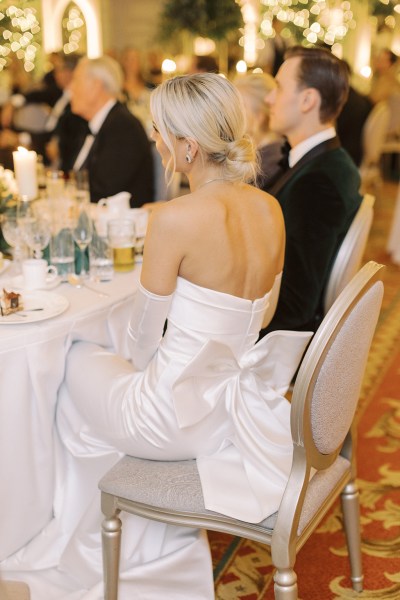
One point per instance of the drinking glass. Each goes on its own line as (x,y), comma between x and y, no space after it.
(36,232)
(82,233)
(100,258)
(62,252)
(13,235)
(78,184)
(121,234)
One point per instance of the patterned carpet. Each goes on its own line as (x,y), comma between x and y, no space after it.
(243,569)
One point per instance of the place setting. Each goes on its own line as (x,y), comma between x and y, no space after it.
(60,238)
(30,306)
(55,236)
(26,298)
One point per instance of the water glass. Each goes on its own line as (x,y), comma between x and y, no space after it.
(78,184)
(121,234)
(62,252)
(100,258)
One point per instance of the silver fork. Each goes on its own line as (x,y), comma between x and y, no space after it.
(73,280)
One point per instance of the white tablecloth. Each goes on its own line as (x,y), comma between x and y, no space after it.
(32,359)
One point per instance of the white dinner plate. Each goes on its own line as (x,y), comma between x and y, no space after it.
(52,304)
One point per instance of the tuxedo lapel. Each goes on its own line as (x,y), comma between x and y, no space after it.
(331,144)
(90,154)
(98,136)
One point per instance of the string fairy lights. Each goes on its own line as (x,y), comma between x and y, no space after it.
(19,34)
(74,32)
(314,21)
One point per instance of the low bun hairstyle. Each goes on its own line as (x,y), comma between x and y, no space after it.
(207,108)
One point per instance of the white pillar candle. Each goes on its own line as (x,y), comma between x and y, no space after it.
(25,172)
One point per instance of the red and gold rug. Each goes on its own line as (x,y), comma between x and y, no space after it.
(243,569)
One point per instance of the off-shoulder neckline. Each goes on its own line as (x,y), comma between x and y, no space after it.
(219,293)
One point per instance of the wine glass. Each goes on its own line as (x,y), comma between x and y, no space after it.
(36,231)
(13,235)
(82,233)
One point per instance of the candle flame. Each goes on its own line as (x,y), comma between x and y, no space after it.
(22,150)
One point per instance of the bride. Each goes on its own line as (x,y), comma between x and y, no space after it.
(212,266)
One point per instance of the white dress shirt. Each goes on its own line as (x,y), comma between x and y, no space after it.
(57,111)
(94,126)
(305,146)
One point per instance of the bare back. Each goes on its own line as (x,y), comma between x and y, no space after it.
(228,237)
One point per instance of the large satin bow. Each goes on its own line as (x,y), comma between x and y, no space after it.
(267,368)
(245,477)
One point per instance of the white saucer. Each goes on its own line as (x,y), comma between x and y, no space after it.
(18,282)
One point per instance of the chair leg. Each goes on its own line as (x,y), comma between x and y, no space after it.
(285,586)
(351,519)
(111,543)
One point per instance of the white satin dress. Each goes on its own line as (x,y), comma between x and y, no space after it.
(209,392)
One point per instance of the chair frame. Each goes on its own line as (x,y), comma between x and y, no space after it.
(288,530)
(14,590)
(355,240)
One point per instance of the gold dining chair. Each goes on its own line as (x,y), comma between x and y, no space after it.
(14,590)
(348,259)
(323,406)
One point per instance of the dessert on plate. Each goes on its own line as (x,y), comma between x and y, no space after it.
(10,302)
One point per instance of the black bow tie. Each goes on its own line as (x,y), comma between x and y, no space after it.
(284,161)
(88,131)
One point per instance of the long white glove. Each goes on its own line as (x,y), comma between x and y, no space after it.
(146,326)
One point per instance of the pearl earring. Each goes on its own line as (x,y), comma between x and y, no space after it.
(188,158)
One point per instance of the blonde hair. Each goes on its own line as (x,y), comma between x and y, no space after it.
(257,86)
(207,108)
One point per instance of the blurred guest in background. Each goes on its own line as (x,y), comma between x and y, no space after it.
(116,152)
(154,60)
(272,55)
(36,128)
(319,193)
(385,80)
(136,92)
(351,120)
(52,61)
(46,93)
(253,89)
(203,64)
(65,130)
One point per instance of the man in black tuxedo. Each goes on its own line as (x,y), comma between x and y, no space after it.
(116,151)
(351,120)
(319,193)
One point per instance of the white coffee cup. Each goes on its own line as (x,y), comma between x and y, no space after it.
(117,204)
(37,274)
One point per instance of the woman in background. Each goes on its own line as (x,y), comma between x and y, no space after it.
(254,88)
(135,90)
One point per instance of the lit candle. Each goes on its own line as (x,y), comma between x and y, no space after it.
(25,172)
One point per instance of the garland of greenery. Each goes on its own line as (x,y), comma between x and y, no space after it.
(214,19)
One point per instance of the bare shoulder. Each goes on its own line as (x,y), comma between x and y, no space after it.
(165,214)
(270,201)
(265,203)
(171,222)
